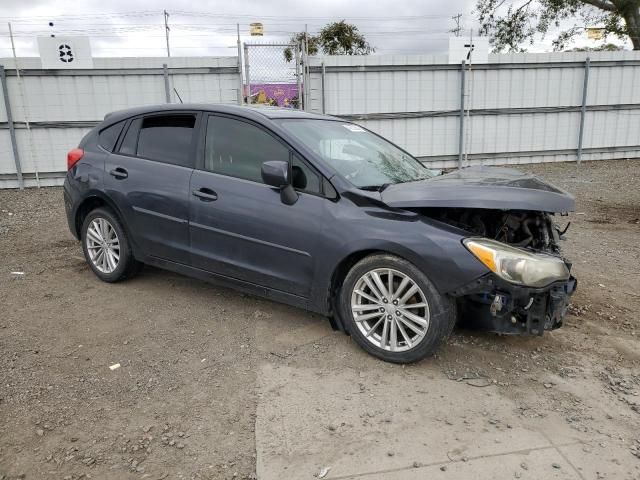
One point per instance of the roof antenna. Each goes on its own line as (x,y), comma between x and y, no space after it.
(178,95)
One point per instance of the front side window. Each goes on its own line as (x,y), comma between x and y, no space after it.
(366,160)
(238,149)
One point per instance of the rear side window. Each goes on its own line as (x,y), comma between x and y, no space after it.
(109,136)
(165,138)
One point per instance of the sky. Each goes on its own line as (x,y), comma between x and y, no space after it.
(208,28)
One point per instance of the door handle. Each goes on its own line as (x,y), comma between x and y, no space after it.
(119,172)
(205,194)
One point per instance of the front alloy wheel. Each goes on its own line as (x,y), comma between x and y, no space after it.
(390,309)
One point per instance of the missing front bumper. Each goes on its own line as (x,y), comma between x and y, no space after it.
(492,304)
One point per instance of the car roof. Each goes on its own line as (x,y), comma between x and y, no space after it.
(252,112)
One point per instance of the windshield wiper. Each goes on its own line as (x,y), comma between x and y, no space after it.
(375,188)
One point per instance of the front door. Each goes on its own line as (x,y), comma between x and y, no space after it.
(239,226)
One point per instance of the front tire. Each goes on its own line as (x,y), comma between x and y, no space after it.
(106,247)
(393,311)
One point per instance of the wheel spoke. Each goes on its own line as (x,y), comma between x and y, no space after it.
(390,283)
(364,308)
(415,305)
(393,337)
(101,227)
(99,254)
(372,287)
(367,296)
(385,334)
(93,235)
(403,284)
(375,326)
(105,262)
(379,284)
(414,318)
(409,294)
(111,263)
(368,316)
(411,325)
(404,333)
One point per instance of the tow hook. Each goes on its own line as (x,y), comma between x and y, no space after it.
(497,304)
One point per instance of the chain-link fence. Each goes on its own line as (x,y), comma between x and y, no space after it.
(273,74)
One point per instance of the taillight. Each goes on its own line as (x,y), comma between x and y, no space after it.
(74,157)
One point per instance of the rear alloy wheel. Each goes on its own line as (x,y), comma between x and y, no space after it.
(103,245)
(106,247)
(393,311)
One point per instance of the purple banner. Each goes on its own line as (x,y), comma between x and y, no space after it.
(280,94)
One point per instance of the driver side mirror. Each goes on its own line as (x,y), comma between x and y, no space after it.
(276,174)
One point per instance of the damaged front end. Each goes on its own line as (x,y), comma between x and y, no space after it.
(507,219)
(528,289)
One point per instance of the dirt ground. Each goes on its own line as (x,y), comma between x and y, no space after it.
(214,384)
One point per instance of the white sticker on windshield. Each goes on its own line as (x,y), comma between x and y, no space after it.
(353,128)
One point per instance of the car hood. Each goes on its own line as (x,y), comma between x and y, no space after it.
(480,187)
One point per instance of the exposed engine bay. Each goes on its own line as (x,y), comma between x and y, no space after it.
(496,305)
(532,230)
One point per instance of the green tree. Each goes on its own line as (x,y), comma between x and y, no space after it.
(514,23)
(338,38)
(298,39)
(605,47)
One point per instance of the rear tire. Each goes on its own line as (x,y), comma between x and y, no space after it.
(393,311)
(106,246)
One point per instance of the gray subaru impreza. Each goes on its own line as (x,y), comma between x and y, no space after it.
(322,214)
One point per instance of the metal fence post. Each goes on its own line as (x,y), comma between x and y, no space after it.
(246,73)
(324,72)
(297,48)
(583,108)
(240,84)
(167,90)
(12,131)
(461,137)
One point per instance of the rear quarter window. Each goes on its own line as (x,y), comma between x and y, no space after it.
(108,137)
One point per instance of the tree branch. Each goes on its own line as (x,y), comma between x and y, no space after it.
(602,5)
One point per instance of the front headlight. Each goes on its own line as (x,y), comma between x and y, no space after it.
(516,265)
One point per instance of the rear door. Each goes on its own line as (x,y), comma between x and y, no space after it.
(239,226)
(148,177)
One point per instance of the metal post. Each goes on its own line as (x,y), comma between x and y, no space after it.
(296,49)
(25,110)
(240,85)
(461,133)
(167,90)
(166,31)
(246,73)
(324,72)
(583,108)
(12,131)
(305,83)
